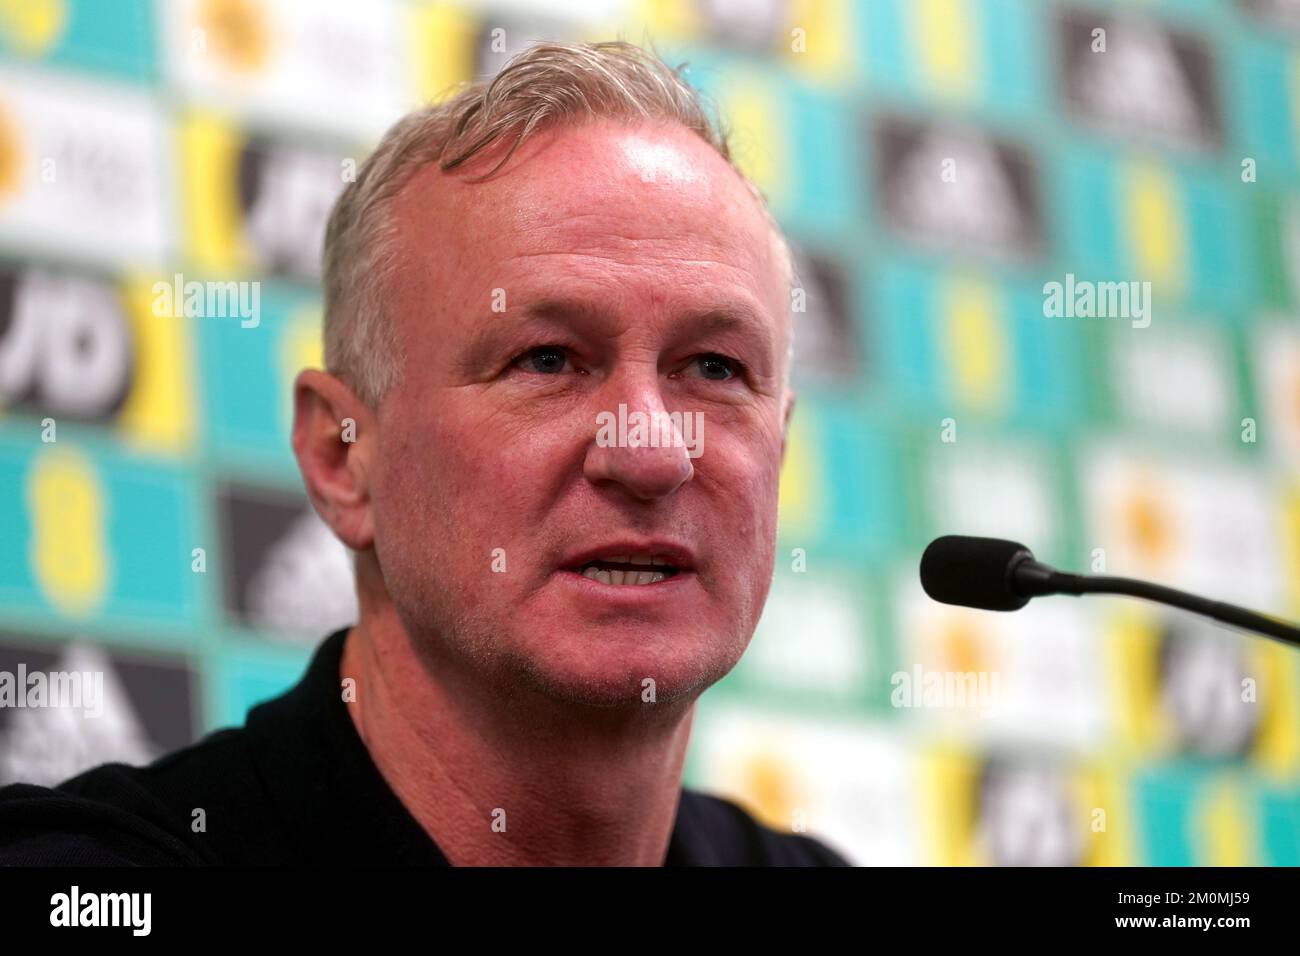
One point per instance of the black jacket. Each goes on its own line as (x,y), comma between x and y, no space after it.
(296,785)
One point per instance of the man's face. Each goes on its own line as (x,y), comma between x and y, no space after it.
(609,266)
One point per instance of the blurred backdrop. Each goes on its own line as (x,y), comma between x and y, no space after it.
(938,164)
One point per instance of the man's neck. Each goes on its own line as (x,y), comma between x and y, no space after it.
(514,779)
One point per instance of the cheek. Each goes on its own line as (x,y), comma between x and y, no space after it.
(463,487)
(746,474)
(745,483)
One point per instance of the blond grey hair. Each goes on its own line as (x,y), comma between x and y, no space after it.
(545,85)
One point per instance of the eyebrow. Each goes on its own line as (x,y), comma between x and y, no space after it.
(553,312)
(705,321)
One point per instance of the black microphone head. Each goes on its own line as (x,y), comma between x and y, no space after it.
(973,572)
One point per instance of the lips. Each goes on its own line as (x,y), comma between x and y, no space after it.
(624,563)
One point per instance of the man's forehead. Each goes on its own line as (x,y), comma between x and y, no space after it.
(645,221)
(583,158)
(566,184)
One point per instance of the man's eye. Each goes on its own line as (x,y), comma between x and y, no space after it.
(545,359)
(719,368)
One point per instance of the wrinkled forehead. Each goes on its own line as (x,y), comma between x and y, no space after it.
(637,194)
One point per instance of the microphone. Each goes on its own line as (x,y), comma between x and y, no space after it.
(996,575)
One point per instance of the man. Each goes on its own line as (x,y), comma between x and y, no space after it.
(543,593)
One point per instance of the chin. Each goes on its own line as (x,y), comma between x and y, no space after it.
(612,670)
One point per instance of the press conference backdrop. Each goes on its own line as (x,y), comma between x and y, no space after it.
(939,165)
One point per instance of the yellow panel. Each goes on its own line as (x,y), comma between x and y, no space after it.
(1290,524)
(800,480)
(1114,845)
(160,412)
(440,40)
(1155,226)
(1131,645)
(1278,748)
(827,29)
(758,139)
(209,148)
(944,35)
(972,333)
(33,27)
(662,19)
(1224,834)
(68,548)
(300,348)
(948,819)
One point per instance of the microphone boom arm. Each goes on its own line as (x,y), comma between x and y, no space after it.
(1031,578)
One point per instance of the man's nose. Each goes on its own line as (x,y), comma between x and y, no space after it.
(649,465)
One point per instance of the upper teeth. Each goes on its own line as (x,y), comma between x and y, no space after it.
(623,577)
(627,577)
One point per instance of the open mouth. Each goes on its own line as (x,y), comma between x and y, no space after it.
(627,570)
